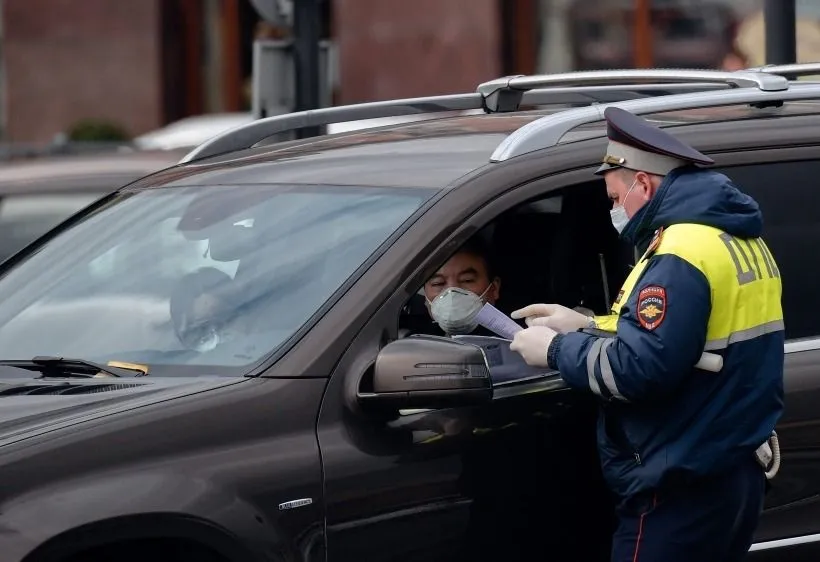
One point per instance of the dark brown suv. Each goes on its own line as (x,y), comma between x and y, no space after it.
(217,362)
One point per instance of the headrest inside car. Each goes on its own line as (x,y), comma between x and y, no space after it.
(209,211)
(232,243)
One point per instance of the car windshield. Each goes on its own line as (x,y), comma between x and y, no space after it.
(190,277)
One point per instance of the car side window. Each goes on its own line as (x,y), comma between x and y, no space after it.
(787,194)
(561,248)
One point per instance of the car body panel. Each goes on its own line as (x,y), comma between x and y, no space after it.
(193,456)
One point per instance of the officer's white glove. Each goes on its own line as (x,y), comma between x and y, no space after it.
(559,318)
(532,343)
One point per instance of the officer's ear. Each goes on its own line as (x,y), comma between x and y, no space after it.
(647,185)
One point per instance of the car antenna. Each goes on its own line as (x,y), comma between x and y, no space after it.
(604,280)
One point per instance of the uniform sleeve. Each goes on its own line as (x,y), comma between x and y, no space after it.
(608,323)
(661,335)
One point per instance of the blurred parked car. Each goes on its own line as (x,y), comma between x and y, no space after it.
(193,131)
(36,194)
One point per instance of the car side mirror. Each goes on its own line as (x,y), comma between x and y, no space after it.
(430,372)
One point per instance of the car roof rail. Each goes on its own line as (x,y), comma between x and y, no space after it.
(246,136)
(548,131)
(789,70)
(504,94)
(500,95)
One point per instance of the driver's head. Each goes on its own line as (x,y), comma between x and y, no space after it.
(460,287)
(201,307)
(471,269)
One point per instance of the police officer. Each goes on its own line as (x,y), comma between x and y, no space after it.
(680,447)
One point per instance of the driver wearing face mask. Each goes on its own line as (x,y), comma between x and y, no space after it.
(202,311)
(458,290)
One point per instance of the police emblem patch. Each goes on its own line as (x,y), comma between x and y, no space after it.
(651,307)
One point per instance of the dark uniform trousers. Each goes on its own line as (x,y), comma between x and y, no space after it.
(709,520)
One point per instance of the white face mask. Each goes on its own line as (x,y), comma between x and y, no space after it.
(207,336)
(202,338)
(455,309)
(618,213)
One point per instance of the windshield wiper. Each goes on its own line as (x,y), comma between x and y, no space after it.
(65,367)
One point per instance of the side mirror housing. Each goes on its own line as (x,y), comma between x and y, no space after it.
(430,372)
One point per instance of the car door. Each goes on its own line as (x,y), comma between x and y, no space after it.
(784,184)
(509,480)
(472,483)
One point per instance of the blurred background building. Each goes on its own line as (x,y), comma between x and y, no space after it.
(140,64)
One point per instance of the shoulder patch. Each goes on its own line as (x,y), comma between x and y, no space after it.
(651,308)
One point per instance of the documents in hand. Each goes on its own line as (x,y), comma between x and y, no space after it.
(505,365)
(497,322)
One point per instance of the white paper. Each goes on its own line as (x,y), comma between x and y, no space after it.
(491,318)
(505,364)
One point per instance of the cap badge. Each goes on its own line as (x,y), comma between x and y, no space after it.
(614,161)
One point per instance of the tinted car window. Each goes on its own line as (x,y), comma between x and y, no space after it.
(788,196)
(209,276)
(23,218)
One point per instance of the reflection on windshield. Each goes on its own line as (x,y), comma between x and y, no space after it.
(214,276)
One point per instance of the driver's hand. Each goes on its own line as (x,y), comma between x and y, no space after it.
(560,318)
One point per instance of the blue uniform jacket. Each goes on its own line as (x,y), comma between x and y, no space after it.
(671,422)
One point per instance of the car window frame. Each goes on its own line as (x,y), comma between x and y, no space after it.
(384,326)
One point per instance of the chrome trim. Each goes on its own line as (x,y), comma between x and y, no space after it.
(248,135)
(293,504)
(414,411)
(806,344)
(507,389)
(740,79)
(548,131)
(414,511)
(780,543)
(799,69)
(530,385)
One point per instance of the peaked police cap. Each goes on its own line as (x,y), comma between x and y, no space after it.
(636,144)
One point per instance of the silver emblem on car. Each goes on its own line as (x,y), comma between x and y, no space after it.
(295,503)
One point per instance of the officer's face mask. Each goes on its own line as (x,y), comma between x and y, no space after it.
(455,309)
(618,213)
